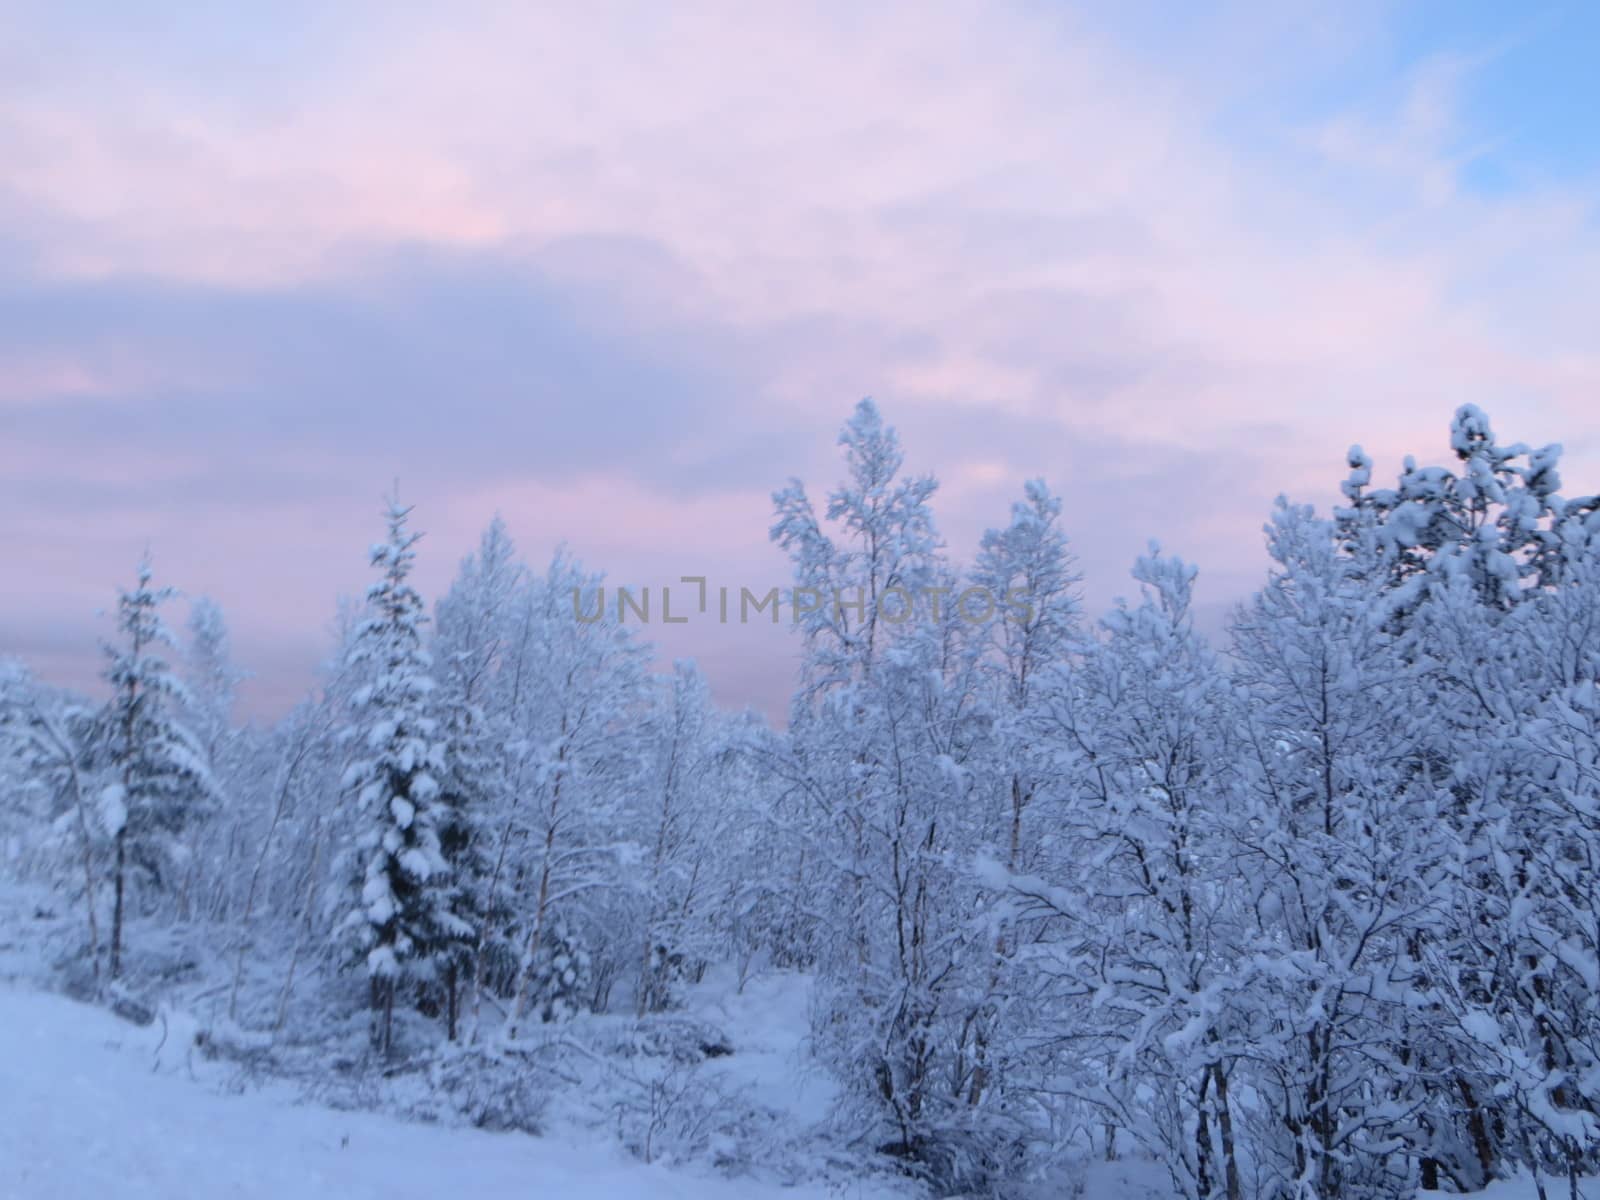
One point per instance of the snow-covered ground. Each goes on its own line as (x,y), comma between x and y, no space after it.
(94,1107)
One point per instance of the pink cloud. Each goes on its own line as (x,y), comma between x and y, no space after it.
(965,206)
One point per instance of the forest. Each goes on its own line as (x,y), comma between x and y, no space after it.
(1309,909)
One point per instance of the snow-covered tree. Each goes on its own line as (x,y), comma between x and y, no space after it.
(210,677)
(1488,579)
(159,780)
(1026,599)
(1145,983)
(676,874)
(53,781)
(473,628)
(211,682)
(1514,695)
(1490,517)
(575,694)
(1317,917)
(1347,861)
(403,920)
(882,734)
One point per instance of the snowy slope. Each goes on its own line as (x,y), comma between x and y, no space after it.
(90,1108)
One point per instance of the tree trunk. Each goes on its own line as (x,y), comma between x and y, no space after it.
(91,890)
(1430,1174)
(310,908)
(388,1017)
(1478,1128)
(1202,1141)
(480,953)
(450,1002)
(520,1003)
(1230,1161)
(382,999)
(116,910)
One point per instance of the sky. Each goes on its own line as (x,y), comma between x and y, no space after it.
(618,271)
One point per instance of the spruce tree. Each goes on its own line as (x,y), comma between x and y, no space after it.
(160,781)
(401,923)
(470,641)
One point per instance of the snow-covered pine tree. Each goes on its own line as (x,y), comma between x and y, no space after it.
(472,630)
(401,923)
(159,779)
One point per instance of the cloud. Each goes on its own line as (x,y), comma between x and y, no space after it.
(618,271)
